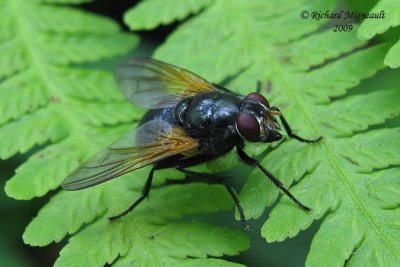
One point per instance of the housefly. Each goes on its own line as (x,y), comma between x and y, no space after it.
(190,121)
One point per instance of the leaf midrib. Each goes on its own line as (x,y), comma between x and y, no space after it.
(24,34)
(328,151)
(40,69)
(333,162)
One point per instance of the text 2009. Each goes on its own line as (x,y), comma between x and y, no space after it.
(343,28)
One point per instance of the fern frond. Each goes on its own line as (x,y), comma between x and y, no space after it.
(64,1)
(41,102)
(145,237)
(392,58)
(244,32)
(48,98)
(311,73)
(371,27)
(148,15)
(350,179)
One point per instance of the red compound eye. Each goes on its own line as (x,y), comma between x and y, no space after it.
(248,127)
(258,97)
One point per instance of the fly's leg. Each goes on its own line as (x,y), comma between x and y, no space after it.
(259,86)
(290,132)
(253,162)
(145,193)
(221,87)
(219,180)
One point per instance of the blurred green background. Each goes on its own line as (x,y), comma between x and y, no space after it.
(15,215)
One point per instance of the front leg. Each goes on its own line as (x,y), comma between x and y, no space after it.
(267,87)
(253,162)
(290,132)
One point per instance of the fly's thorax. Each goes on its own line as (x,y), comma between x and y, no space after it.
(211,114)
(180,110)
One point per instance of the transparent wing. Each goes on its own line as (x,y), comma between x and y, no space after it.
(153,84)
(149,143)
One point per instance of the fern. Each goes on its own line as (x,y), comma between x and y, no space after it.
(48,99)
(150,14)
(369,28)
(350,179)
(44,100)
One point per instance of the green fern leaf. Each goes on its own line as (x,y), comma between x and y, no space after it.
(348,179)
(64,1)
(335,177)
(149,14)
(49,99)
(243,32)
(371,27)
(38,90)
(392,58)
(145,237)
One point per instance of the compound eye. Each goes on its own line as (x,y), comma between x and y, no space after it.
(248,127)
(258,97)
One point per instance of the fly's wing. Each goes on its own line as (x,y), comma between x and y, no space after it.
(154,84)
(151,142)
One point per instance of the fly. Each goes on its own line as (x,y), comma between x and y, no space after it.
(190,121)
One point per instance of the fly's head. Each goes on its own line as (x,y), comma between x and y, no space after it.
(256,121)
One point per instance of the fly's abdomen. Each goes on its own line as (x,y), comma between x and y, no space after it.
(164,114)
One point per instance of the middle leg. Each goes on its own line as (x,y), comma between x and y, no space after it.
(219,180)
(143,195)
